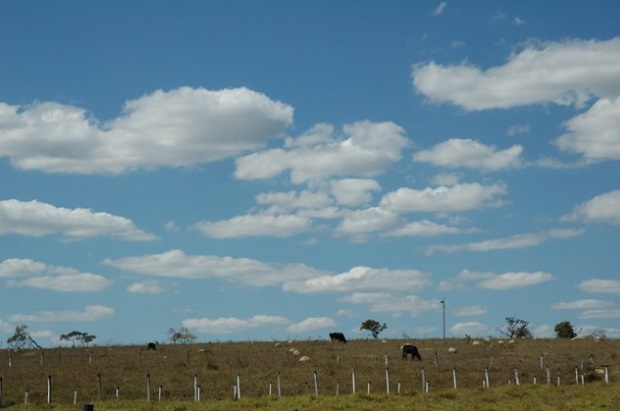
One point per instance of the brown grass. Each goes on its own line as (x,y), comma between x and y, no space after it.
(216,366)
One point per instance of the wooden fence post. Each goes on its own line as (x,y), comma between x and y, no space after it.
(316,384)
(279,386)
(99,390)
(148,387)
(454,377)
(548,375)
(353,381)
(423,380)
(516,376)
(49,389)
(387,379)
(238,387)
(486,376)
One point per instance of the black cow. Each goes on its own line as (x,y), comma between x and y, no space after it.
(413,350)
(151,346)
(337,337)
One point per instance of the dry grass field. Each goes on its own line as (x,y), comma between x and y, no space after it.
(173,375)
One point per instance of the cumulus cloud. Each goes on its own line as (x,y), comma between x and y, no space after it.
(459,197)
(492,281)
(255,226)
(565,73)
(369,220)
(423,228)
(470,311)
(600,286)
(177,264)
(29,273)
(385,302)
(311,324)
(362,279)
(604,208)
(90,313)
(596,133)
(512,242)
(457,152)
(588,304)
(176,128)
(354,191)
(366,150)
(37,219)
(229,325)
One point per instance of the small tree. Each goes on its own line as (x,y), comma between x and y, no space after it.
(564,329)
(374,327)
(22,338)
(182,335)
(79,337)
(516,328)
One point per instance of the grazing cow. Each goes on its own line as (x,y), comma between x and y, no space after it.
(337,337)
(411,349)
(151,346)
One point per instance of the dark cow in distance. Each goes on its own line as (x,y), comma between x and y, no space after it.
(411,349)
(151,346)
(337,337)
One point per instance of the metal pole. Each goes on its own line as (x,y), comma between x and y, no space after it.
(443,303)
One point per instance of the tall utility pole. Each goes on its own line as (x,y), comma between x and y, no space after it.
(443,303)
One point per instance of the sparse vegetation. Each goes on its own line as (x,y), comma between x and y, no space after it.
(215,365)
(374,327)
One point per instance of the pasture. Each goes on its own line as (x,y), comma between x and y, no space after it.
(317,374)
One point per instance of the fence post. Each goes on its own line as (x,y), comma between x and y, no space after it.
(148,387)
(279,386)
(423,381)
(606,374)
(516,376)
(353,381)
(49,389)
(238,386)
(316,384)
(576,375)
(542,361)
(436,360)
(75,397)
(368,390)
(387,380)
(99,394)
(548,375)
(454,377)
(486,376)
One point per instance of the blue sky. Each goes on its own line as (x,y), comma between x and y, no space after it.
(272,170)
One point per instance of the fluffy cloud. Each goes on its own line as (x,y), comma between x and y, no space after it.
(366,150)
(354,191)
(90,313)
(362,279)
(255,225)
(460,197)
(145,288)
(470,311)
(29,273)
(423,228)
(229,325)
(467,153)
(597,285)
(596,133)
(311,324)
(492,281)
(604,208)
(381,302)
(180,127)
(470,328)
(177,264)
(37,219)
(588,304)
(564,73)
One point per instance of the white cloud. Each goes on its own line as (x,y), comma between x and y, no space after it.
(508,281)
(37,219)
(601,313)
(423,228)
(90,313)
(369,220)
(512,242)
(492,281)
(588,304)
(440,8)
(602,208)
(472,328)
(468,153)
(470,311)
(311,324)
(596,133)
(565,73)
(518,129)
(176,128)
(29,273)
(255,226)
(362,279)
(597,285)
(229,325)
(354,191)
(383,302)
(460,197)
(146,287)
(367,150)
(177,264)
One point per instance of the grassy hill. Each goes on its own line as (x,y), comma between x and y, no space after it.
(176,374)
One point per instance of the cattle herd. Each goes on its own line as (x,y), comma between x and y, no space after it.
(407,349)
